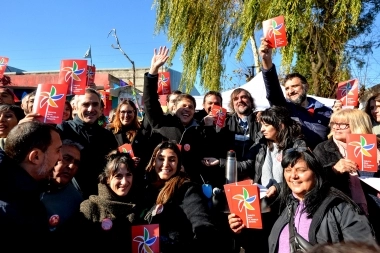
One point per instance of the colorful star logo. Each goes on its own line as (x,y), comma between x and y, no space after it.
(346,89)
(362,147)
(162,81)
(275,28)
(50,97)
(145,242)
(245,200)
(73,72)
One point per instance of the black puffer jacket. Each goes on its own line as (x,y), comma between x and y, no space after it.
(185,222)
(193,137)
(335,221)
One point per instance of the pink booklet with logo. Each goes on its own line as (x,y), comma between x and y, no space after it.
(275,32)
(347,92)
(362,149)
(74,74)
(50,102)
(126,148)
(244,200)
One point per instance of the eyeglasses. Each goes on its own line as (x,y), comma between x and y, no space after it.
(127,112)
(340,126)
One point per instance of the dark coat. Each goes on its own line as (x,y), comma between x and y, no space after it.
(140,146)
(315,127)
(327,153)
(185,223)
(97,143)
(335,221)
(22,215)
(242,147)
(107,205)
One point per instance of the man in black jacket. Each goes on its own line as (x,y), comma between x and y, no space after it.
(31,151)
(96,140)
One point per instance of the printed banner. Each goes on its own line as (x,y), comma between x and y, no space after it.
(220,115)
(347,92)
(3,65)
(362,149)
(91,74)
(275,32)
(74,74)
(146,238)
(243,199)
(126,148)
(50,102)
(164,83)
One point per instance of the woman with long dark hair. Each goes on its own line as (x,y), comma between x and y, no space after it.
(318,213)
(263,161)
(178,205)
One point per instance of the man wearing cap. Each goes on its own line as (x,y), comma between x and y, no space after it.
(6,96)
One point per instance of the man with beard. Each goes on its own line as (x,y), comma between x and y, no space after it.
(31,151)
(313,116)
(97,141)
(242,124)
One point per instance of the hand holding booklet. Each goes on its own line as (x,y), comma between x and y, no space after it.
(244,200)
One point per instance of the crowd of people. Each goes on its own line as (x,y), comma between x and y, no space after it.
(68,187)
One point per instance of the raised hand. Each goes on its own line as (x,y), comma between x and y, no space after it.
(158,60)
(266,54)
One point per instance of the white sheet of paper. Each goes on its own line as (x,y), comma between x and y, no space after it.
(263,190)
(374,182)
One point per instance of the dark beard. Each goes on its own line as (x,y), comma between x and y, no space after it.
(300,99)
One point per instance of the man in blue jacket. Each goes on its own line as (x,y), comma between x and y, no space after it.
(313,116)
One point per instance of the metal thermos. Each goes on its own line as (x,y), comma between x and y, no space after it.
(231,167)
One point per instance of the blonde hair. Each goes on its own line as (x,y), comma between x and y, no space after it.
(359,121)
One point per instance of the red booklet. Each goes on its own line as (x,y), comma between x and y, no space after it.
(146,238)
(164,83)
(106,97)
(74,74)
(3,65)
(126,148)
(91,74)
(220,114)
(347,92)
(244,200)
(50,102)
(362,149)
(275,32)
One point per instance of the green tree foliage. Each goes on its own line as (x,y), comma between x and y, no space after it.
(318,32)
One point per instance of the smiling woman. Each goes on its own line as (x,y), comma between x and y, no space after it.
(177,205)
(313,211)
(109,215)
